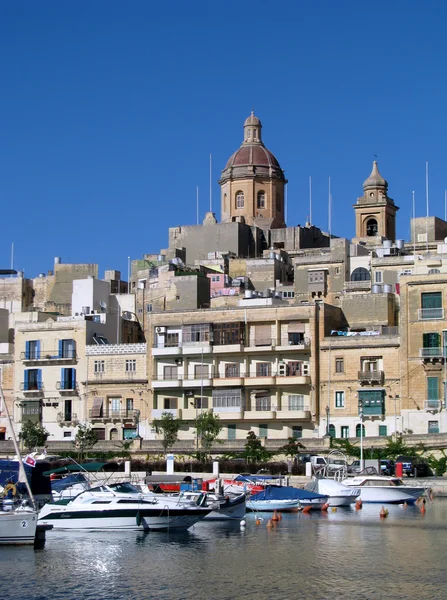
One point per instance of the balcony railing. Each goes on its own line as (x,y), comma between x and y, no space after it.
(431,314)
(118,415)
(67,418)
(430,352)
(67,386)
(48,355)
(259,343)
(235,375)
(432,405)
(371,377)
(31,386)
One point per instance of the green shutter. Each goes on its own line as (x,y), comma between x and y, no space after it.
(431,300)
(383,430)
(432,388)
(263,430)
(431,340)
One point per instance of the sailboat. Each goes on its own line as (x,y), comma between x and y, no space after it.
(18,523)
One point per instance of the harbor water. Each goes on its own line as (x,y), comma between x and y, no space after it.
(345,554)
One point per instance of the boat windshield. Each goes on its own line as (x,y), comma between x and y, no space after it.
(382,483)
(124,488)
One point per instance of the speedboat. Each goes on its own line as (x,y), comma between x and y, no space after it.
(339,494)
(384,490)
(229,507)
(122,506)
(285,499)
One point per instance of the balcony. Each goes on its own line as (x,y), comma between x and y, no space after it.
(229,413)
(259,380)
(356,286)
(228,348)
(67,419)
(432,405)
(70,387)
(433,354)
(161,350)
(48,356)
(303,414)
(32,388)
(114,415)
(222,381)
(371,377)
(430,314)
(175,412)
(197,348)
(260,415)
(285,346)
(265,345)
(293,380)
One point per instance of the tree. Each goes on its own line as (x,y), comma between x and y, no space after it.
(208,427)
(33,435)
(292,448)
(85,439)
(254,451)
(168,426)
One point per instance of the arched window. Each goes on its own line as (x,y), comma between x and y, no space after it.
(239,199)
(371,227)
(360,274)
(261,200)
(114,435)
(278,203)
(358,429)
(332,430)
(434,271)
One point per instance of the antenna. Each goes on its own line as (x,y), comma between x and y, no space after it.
(445,205)
(197,204)
(211,183)
(414,232)
(12,257)
(426,200)
(285,202)
(128,269)
(310,199)
(329,209)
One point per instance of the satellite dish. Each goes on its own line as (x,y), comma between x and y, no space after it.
(103,304)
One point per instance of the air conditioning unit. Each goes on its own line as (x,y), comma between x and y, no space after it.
(178,361)
(306,369)
(282,369)
(160,330)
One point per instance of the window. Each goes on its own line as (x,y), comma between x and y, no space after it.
(32,380)
(263,430)
(369,365)
(228,400)
(431,345)
(171,340)
(98,366)
(228,333)
(434,271)
(331,430)
(432,389)
(288,294)
(201,371)
(67,434)
(433,427)
(339,399)
(296,402)
(344,431)
(170,403)
(32,351)
(261,200)
(239,199)
(294,369)
(359,430)
(263,403)
(232,370)
(337,270)
(378,277)
(149,307)
(215,278)
(360,274)
(295,339)
(170,372)
(115,406)
(431,306)
(201,403)
(67,410)
(67,349)
(339,365)
(263,369)
(231,432)
(372,402)
(278,203)
(383,430)
(371,228)
(131,365)
(196,333)
(129,404)
(31,411)
(297,431)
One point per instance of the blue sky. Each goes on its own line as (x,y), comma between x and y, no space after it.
(109,111)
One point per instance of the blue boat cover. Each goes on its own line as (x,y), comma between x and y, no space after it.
(63,484)
(285,492)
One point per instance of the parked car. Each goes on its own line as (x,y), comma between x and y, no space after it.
(412,465)
(354,467)
(387,467)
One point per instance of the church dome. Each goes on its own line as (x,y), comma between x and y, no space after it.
(252,158)
(375,180)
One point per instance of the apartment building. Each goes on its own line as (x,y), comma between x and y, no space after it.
(256,366)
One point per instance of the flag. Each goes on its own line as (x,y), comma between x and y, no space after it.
(30,461)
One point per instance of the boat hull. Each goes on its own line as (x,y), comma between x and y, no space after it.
(272,505)
(18,527)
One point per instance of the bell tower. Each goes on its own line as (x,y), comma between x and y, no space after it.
(375,211)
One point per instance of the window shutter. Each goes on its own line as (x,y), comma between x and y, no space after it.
(74,378)
(296,328)
(39,379)
(26,379)
(432,388)
(60,349)
(263,335)
(38,349)
(27,351)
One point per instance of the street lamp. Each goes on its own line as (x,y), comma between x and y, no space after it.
(362,464)
(327,420)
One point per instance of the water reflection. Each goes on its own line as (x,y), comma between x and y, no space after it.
(343,554)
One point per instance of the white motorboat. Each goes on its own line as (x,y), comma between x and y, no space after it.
(338,493)
(122,506)
(285,499)
(225,508)
(384,490)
